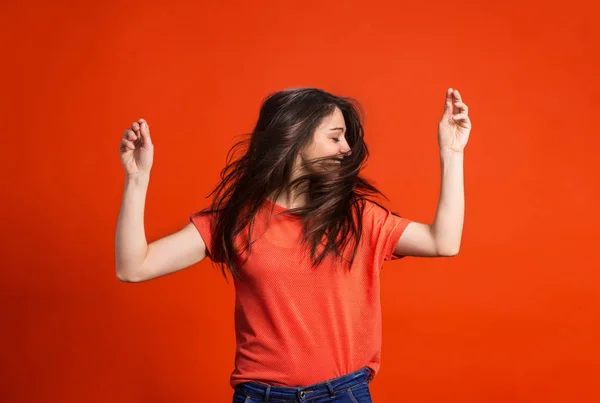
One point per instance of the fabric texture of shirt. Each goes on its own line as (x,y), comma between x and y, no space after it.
(296,324)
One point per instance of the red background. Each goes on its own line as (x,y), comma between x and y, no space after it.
(513,318)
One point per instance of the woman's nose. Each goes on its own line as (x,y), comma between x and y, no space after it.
(346,150)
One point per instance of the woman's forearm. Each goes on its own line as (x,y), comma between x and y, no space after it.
(448,223)
(130,238)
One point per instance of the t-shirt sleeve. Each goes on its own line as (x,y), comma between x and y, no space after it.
(204,225)
(385,228)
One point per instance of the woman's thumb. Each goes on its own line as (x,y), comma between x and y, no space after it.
(145,131)
(448,105)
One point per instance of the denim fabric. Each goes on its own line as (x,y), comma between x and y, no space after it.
(350,388)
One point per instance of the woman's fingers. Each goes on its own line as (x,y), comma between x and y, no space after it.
(130,135)
(138,134)
(461,106)
(126,145)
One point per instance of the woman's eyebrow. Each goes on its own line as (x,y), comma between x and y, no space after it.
(338,128)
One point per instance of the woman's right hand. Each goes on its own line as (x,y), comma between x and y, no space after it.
(137,150)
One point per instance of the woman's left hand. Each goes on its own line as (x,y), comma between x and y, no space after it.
(454,126)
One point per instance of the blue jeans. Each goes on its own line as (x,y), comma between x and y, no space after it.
(350,388)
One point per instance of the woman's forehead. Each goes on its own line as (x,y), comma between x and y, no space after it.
(334,121)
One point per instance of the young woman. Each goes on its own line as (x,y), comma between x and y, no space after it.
(304,240)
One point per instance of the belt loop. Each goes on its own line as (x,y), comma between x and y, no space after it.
(268,391)
(331,391)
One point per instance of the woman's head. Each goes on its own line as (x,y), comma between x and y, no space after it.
(307,130)
(306,140)
(328,140)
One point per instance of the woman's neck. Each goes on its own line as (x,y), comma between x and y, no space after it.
(289,201)
(291,198)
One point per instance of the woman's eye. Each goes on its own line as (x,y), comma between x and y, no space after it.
(337,140)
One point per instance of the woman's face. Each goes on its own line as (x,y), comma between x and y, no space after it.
(328,139)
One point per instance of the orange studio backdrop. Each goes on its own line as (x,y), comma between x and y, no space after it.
(514,317)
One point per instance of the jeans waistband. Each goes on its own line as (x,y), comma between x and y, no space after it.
(300,394)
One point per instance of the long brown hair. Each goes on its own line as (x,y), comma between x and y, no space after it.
(261,166)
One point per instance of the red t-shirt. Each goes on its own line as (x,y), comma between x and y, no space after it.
(297,325)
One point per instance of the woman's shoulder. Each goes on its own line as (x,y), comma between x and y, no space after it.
(373,207)
(375,213)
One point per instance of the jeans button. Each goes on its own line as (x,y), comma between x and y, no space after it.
(302,394)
